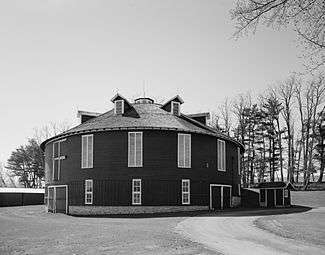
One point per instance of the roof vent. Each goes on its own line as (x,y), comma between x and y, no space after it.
(143,100)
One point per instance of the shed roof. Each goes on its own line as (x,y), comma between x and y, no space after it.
(270,185)
(142,116)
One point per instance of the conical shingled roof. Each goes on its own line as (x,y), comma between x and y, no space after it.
(141,116)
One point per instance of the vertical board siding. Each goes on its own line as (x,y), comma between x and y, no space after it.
(161,177)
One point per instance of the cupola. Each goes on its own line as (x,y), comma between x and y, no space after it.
(143,100)
(173,105)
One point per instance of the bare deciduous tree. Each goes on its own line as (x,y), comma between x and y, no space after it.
(306,16)
(285,93)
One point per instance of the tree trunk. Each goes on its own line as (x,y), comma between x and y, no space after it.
(322,166)
(280,148)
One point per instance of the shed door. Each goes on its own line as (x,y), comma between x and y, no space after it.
(279,197)
(216,197)
(270,198)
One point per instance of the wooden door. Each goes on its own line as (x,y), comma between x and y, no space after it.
(50,204)
(216,197)
(279,197)
(61,200)
(270,198)
(226,197)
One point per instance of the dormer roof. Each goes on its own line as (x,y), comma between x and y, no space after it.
(176,98)
(85,116)
(120,97)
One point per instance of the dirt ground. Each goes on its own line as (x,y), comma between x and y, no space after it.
(29,230)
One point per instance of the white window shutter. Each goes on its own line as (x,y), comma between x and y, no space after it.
(131,158)
(181,160)
(187,145)
(138,149)
(84,152)
(90,151)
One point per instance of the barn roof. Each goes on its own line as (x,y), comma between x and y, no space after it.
(141,116)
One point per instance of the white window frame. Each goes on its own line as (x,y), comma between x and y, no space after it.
(221,155)
(136,192)
(115,103)
(188,192)
(88,164)
(239,160)
(184,151)
(58,158)
(172,107)
(135,149)
(89,182)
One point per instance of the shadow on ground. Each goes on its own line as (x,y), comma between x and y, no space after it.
(235,212)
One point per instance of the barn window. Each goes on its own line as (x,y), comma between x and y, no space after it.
(239,160)
(57,158)
(119,107)
(88,192)
(136,191)
(186,192)
(87,151)
(135,149)
(175,108)
(184,150)
(221,155)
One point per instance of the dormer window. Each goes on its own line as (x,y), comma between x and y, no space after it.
(119,107)
(173,105)
(175,109)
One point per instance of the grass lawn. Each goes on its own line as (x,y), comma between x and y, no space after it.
(307,227)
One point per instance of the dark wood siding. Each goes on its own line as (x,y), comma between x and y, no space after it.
(161,178)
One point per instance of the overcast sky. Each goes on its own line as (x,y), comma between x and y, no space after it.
(58,56)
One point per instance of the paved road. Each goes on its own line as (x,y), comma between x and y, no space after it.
(29,230)
(240,235)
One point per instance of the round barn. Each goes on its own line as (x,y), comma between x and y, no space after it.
(141,157)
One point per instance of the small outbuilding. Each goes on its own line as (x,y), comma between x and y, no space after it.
(274,194)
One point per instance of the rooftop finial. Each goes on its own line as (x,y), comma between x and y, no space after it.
(144,88)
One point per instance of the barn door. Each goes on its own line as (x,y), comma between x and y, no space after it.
(226,197)
(57,199)
(216,198)
(61,199)
(51,199)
